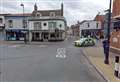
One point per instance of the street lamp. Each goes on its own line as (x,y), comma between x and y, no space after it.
(23,23)
(108,34)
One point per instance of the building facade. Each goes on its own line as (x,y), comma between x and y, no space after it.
(16,26)
(75,29)
(115,34)
(90,28)
(101,19)
(40,25)
(2,27)
(47,25)
(116,13)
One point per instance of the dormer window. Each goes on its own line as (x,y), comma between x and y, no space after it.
(38,14)
(52,14)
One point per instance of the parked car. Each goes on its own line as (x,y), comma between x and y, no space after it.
(82,42)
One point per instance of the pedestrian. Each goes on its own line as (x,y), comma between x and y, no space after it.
(106,51)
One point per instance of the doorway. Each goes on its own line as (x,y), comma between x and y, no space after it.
(45,36)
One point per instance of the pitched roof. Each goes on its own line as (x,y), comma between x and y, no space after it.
(20,14)
(47,12)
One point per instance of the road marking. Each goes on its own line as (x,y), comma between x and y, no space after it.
(61,53)
(14,46)
(42,46)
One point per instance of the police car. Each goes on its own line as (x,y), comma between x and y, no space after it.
(82,42)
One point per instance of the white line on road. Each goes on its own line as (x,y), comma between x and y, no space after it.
(61,53)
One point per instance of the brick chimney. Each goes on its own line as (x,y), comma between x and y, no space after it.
(62,10)
(35,7)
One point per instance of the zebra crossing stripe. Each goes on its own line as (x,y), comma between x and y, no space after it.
(60,56)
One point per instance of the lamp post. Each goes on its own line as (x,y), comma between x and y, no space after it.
(24,23)
(108,34)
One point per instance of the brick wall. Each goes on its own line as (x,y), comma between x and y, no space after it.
(116,8)
(115,39)
(101,19)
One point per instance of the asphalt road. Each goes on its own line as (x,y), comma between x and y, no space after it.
(40,63)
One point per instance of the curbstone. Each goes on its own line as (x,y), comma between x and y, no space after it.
(96,68)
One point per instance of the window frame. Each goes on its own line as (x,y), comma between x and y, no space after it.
(37,25)
(52,25)
(97,25)
(10,23)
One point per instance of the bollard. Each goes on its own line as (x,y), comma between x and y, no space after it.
(116,70)
(119,72)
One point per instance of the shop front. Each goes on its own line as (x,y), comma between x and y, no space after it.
(47,36)
(16,34)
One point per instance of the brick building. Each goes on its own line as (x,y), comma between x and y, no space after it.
(116,8)
(115,35)
(75,29)
(100,18)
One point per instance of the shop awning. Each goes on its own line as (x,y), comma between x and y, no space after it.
(16,30)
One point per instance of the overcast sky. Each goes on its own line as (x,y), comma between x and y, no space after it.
(74,10)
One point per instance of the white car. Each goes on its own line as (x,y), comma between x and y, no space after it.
(84,42)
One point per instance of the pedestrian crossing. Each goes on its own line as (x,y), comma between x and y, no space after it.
(61,56)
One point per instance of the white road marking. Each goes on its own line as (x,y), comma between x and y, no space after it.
(14,46)
(41,46)
(61,53)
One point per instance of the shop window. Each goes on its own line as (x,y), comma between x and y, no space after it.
(37,35)
(10,23)
(52,35)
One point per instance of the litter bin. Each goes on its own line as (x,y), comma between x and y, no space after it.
(106,51)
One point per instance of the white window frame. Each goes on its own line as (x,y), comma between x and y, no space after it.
(38,26)
(38,15)
(10,25)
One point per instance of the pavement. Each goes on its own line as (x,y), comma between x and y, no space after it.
(96,57)
(48,62)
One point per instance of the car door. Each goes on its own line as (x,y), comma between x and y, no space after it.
(85,43)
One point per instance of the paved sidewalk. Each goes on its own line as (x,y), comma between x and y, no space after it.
(96,57)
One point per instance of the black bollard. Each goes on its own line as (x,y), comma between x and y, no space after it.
(116,70)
